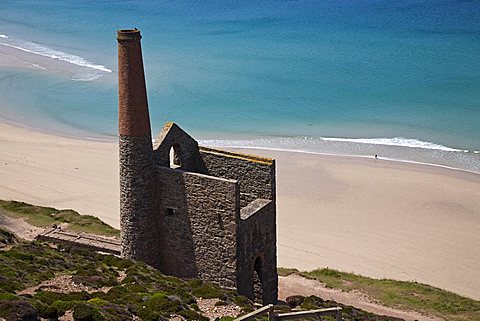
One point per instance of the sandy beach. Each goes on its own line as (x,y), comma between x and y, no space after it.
(61,172)
(372,217)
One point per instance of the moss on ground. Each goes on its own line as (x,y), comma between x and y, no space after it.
(208,291)
(399,294)
(7,238)
(45,216)
(144,292)
(17,310)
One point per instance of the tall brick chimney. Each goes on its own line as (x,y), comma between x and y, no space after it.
(137,202)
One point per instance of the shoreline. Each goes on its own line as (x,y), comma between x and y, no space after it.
(97,137)
(455,160)
(343,212)
(84,135)
(239,148)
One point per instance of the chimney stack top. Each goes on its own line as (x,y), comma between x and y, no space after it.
(133,117)
(128,34)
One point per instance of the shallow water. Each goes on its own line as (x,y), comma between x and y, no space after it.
(403,75)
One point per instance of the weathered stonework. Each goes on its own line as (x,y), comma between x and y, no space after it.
(217,215)
(191,211)
(256,240)
(200,232)
(138,199)
(256,175)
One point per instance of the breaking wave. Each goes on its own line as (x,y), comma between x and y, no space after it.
(396,141)
(299,142)
(393,149)
(86,77)
(40,50)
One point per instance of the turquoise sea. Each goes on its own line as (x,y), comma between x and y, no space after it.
(400,79)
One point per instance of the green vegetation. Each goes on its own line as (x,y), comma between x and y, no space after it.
(207,290)
(141,291)
(7,238)
(147,293)
(399,294)
(46,216)
(118,289)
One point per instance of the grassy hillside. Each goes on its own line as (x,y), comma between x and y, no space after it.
(45,216)
(118,288)
(37,281)
(109,288)
(398,294)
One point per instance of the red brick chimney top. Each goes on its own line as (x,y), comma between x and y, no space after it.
(133,116)
(128,34)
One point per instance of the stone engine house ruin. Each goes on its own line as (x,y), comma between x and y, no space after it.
(191,211)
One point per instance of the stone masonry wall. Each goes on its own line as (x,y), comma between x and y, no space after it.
(255,175)
(199,216)
(256,237)
(138,222)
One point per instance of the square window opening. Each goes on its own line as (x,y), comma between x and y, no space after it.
(170,211)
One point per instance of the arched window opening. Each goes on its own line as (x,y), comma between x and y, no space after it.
(258,279)
(174,155)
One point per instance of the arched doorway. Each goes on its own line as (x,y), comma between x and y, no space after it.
(258,279)
(174,156)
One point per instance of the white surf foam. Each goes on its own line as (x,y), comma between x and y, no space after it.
(40,50)
(4,36)
(299,142)
(38,66)
(86,77)
(396,141)
(295,145)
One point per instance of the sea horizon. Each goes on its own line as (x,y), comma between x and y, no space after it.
(374,78)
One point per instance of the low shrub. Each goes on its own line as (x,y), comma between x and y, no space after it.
(44,310)
(48,297)
(7,238)
(17,310)
(97,302)
(7,296)
(208,291)
(86,312)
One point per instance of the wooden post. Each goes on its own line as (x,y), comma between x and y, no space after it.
(339,315)
(268,309)
(309,314)
(252,315)
(271,315)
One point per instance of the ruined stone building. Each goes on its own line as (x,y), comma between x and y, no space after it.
(191,211)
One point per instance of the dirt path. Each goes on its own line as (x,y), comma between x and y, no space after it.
(19,227)
(298,285)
